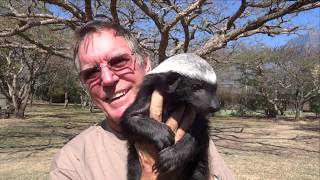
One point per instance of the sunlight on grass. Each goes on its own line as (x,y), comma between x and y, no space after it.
(266,150)
(254,148)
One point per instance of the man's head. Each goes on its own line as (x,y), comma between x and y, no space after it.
(112,66)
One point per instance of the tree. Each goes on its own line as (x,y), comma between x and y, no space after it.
(199,26)
(163,27)
(301,69)
(20,68)
(59,84)
(260,73)
(283,76)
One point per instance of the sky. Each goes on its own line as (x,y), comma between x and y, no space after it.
(309,19)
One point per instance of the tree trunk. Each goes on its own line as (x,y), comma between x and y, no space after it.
(20,107)
(82,101)
(91,106)
(272,110)
(19,113)
(66,101)
(31,99)
(298,108)
(299,103)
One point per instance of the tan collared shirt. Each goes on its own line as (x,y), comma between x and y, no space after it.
(101,154)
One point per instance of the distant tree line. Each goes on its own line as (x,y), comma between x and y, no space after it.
(275,80)
(35,36)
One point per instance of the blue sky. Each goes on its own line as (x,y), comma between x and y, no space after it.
(309,19)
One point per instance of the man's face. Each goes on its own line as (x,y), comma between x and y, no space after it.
(112,91)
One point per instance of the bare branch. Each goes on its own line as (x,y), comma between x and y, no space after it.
(148,12)
(183,14)
(46,48)
(9,44)
(113,10)
(73,9)
(31,24)
(88,10)
(236,15)
(271,31)
(261,4)
(250,28)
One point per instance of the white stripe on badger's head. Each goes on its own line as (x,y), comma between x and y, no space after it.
(188,64)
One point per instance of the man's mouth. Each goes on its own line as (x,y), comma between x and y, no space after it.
(117,95)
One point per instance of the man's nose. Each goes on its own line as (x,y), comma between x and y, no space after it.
(108,77)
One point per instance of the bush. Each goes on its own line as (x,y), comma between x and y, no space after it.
(315,105)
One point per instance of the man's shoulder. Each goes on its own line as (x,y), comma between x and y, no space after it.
(84,136)
(95,135)
(76,145)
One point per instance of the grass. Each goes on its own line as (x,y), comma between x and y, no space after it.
(27,146)
(266,149)
(254,148)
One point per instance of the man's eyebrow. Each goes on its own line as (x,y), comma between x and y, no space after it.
(119,56)
(88,67)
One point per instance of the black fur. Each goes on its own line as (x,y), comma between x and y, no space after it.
(188,154)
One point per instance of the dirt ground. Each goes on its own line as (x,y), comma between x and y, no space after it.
(253,148)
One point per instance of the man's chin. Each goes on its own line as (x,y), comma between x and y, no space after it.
(115,114)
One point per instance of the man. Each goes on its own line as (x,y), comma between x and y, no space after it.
(112,66)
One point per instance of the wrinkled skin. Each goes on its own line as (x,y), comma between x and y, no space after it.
(97,49)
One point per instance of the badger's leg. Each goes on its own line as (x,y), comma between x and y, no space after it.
(134,168)
(143,129)
(177,155)
(187,150)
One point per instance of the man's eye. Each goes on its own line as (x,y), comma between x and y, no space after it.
(118,63)
(89,73)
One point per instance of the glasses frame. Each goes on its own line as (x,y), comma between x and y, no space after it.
(97,68)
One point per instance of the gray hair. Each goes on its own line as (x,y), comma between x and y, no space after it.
(97,26)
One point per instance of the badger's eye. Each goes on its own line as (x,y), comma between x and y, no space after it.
(196,87)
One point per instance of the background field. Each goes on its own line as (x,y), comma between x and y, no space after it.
(253,148)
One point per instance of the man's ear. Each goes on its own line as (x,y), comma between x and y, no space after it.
(173,81)
(147,63)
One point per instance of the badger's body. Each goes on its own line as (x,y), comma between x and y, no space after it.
(184,79)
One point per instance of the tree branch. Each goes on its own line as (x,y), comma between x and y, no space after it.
(113,10)
(191,8)
(88,10)
(236,15)
(74,10)
(219,41)
(31,24)
(148,12)
(48,49)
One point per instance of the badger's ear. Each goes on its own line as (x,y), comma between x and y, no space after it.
(173,81)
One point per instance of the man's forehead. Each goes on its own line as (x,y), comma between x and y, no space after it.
(101,47)
(104,40)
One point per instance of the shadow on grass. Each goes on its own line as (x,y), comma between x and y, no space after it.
(44,128)
(266,137)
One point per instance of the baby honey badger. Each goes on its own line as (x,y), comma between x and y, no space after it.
(184,79)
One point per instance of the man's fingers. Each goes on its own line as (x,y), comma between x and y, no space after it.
(147,156)
(175,118)
(187,120)
(156,106)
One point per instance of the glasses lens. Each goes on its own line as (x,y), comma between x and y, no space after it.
(119,63)
(116,65)
(89,74)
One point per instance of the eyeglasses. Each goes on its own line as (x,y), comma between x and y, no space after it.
(118,65)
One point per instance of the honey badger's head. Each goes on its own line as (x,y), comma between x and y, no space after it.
(192,79)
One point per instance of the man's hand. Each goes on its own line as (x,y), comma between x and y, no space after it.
(179,122)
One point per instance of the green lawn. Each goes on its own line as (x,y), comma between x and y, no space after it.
(253,148)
